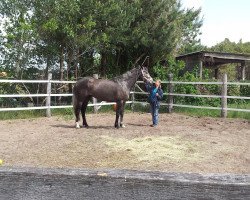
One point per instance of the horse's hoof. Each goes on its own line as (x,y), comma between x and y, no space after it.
(116,126)
(86,126)
(77,125)
(122,126)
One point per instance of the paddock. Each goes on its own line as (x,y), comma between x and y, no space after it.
(179,144)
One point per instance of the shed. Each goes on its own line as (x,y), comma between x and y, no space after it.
(214,60)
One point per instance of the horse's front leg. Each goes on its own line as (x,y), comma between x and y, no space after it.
(122,113)
(83,110)
(118,110)
(77,108)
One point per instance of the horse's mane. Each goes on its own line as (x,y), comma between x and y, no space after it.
(124,76)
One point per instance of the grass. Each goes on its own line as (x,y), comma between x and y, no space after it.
(202,112)
(216,113)
(68,113)
(23,114)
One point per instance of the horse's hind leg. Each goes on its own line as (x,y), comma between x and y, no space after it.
(122,113)
(118,111)
(77,109)
(83,110)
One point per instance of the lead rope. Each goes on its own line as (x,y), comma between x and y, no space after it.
(147,57)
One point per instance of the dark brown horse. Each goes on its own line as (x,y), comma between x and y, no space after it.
(115,90)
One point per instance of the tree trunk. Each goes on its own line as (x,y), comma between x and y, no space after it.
(46,73)
(103,67)
(81,63)
(86,63)
(76,61)
(118,65)
(70,66)
(61,63)
(61,73)
(123,62)
(17,69)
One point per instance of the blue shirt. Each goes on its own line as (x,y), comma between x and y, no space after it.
(153,99)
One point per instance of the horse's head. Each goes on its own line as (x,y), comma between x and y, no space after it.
(145,75)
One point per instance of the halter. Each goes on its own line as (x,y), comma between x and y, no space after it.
(138,73)
(147,58)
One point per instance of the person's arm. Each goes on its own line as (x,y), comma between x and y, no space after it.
(160,94)
(148,86)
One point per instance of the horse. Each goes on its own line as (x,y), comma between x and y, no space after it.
(113,90)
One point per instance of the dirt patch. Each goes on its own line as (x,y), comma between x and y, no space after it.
(180,143)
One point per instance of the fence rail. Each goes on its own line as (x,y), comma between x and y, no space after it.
(35,95)
(195,95)
(34,81)
(223,95)
(53,107)
(201,83)
(170,94)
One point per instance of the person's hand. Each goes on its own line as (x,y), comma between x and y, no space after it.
(157,94)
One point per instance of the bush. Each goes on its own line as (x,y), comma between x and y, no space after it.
(175,67)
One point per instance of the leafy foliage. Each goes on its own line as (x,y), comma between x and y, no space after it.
(231,47)
(73,38)
(69,33)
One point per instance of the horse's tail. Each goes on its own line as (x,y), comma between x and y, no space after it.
(74,97)
(80,85)
(75,103)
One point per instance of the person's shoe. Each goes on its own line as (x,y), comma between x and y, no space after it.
(153,125)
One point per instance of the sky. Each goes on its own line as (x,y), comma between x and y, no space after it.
(223,19)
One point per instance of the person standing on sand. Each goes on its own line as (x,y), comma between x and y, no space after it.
(155,95)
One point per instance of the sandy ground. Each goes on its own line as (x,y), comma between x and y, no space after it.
(179,144)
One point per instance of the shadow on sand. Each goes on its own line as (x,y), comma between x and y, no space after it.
(132,124)
(90,127)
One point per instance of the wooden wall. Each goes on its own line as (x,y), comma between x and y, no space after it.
(248,71)
(53,184)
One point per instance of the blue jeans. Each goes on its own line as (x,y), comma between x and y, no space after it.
(155,113)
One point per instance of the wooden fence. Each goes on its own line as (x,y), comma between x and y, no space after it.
(64,184)
(224,97)
(170,95)
(48,96)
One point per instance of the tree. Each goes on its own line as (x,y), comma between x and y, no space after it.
(159,29)
(191,24)
(232,47)
(18,42)
(69,33)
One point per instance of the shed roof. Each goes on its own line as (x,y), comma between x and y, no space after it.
(211,58)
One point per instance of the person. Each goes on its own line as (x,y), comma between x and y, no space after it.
(155,96)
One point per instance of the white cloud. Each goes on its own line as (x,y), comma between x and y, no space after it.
(222,20)
(215,33)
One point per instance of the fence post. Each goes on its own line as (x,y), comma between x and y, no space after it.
(243,72)
(200,68)
(170,90)
(133,100)
(48,98)
(224,97)
(94,99)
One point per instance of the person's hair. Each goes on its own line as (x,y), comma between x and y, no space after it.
(158,80)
